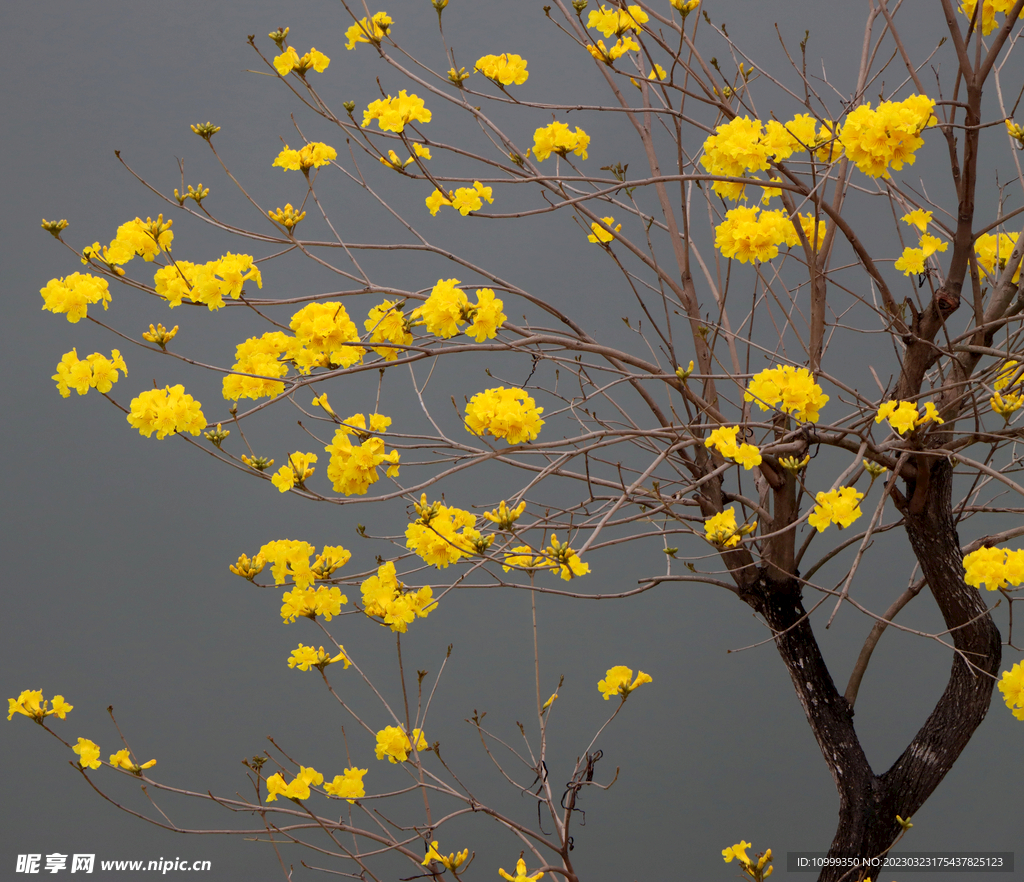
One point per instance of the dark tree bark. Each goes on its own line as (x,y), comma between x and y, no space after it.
(869,803)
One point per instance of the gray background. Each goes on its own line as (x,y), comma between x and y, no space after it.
(116,546)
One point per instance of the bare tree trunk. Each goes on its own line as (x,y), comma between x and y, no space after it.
(869,803)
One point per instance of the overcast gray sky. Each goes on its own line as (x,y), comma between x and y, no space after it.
(116,546)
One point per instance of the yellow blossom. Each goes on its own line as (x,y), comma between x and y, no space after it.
(348,786)
(520,875)
(840,507)
(600,234)
(507,413)
(617,682)
(792,389)
(371,30)
(394,744)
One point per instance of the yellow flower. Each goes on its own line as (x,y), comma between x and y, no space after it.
(347,786)
(467,199)
(918,218)
(903,416)
(452,861)
(122,760)
(792,389)
(520,875)
(563,560)
(297,789)
(306,657)
(738,851)
(617,682)
(600,234)
(393,114)
(723,439)
(507,413)
(840,506)
(312,155)
(1011,684)
(371,30)
(88,753)
(506,69)
(394,744)
(296,472)
(30,703)
(558,138)
(721,529)
(994,568)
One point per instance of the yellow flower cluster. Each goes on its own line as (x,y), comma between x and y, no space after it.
(1003,402)
(393,114)
(558,558)
(166,411)
(504,517)
(520,875)
(313,155)
(504,413)
(32,704)
(452,862)
(260,356)
(353,467)
(448,307)
(912,260)
(312,602)
(207,283)
(297,789)
(296,472)
(73,294)
(750,234)
(306,657)
(287,217)
(387,324)
(289,558)
(325,336)
(1012,686)
(464,200)
(617,682)
(989,8)
(840,507)
(993,251)
(723,439)
(394,744)
(757,871)
(886,136)
(436,535)
(607,56)
(994,567)
(145,239)
(371,30)
(248,568)
(96,371)
(745,145)
(616,21)
(348,786)
(792,389)
(506,69)
(384,596)
(904,417)
(556,137)
(721,529)
(289,61)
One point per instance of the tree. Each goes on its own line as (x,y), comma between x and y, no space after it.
(672,462)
